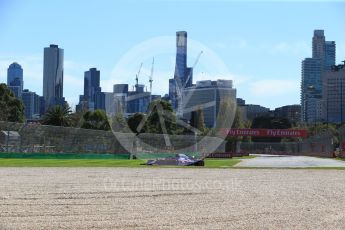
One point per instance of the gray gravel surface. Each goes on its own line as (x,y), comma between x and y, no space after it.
(171,198)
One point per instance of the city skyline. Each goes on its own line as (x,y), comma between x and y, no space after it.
(265,65)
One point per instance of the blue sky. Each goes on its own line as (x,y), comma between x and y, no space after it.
(260,45)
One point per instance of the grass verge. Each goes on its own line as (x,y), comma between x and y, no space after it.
(20,162)
(222,163)
(340,159)
(11,162)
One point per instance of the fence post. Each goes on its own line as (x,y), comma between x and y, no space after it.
(7,139)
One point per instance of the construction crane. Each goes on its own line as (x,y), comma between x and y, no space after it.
(190,73)
(150,78)
(137,77)
(151,74)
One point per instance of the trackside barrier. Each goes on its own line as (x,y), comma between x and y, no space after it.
(36,138)
(341,142)
(320,145)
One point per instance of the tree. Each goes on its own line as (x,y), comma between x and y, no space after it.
(247,124)
(96,120)
(58,116)
(119,123)
(226,113)
(317,128)
(161,114)
(237,124)
(134,121)
(77,119)
(12,109)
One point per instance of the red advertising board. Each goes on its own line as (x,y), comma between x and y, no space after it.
(267,132)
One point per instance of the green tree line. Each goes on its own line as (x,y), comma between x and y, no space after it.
(160,118)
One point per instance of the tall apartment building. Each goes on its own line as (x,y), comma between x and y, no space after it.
(93,97)
(333,94)
(311,90)
(31,103)
(53,76)
(323,58)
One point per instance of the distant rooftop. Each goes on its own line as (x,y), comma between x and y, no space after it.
(210,83)
(318,33)
(15,65)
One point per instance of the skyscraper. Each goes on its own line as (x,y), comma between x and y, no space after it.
(323,50)
(172,93)
(91,87)
(183,76)
(93,97)
(32,104)
(53,76)
(323,58)
(333,94)
(318,44)
(15,79)
(181,56)
(330,53)
(311,89)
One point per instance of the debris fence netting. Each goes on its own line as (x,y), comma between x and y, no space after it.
(37,138)
(319,145)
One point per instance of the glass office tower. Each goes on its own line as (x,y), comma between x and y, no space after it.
(15,79)
(53,76)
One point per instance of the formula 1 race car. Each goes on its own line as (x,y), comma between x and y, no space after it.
(178,160)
